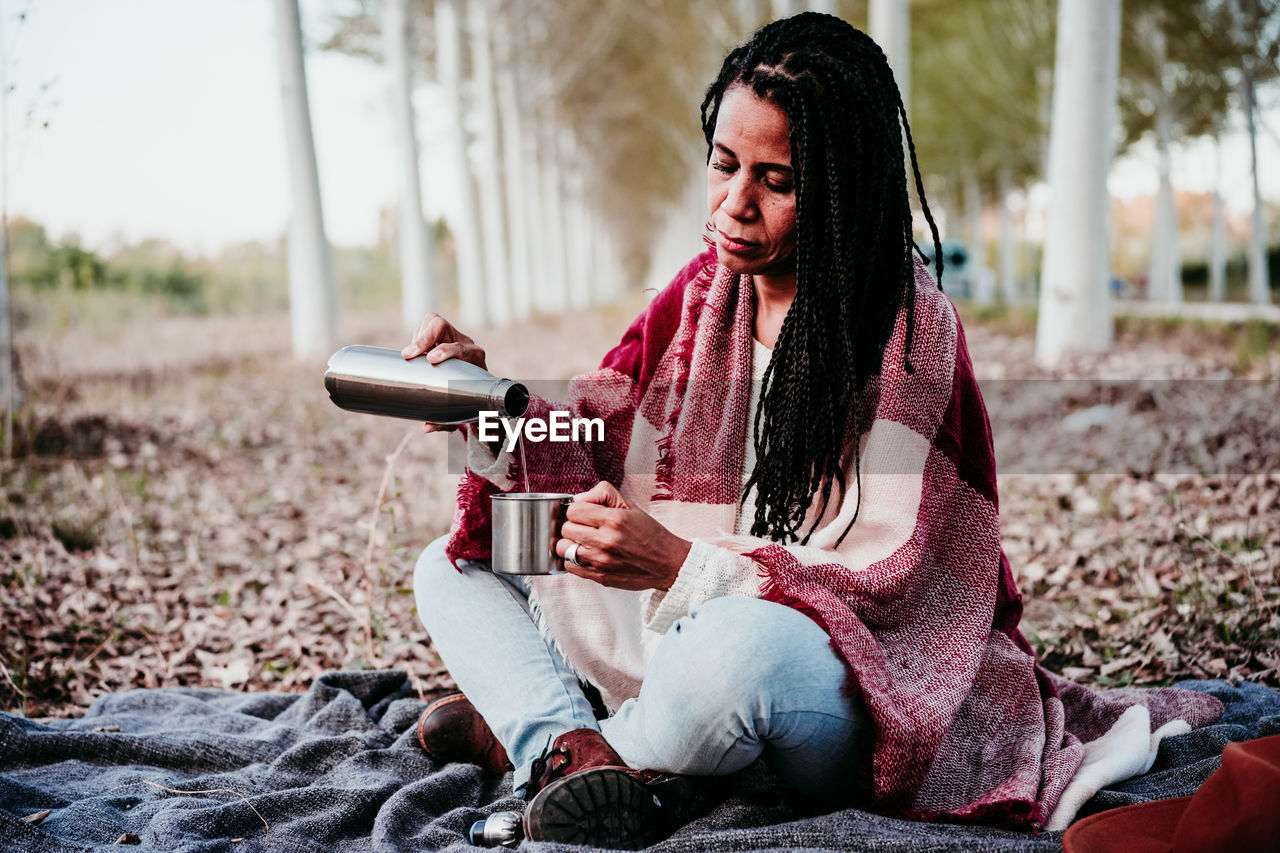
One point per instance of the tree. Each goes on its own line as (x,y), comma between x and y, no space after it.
(980,114)
(466,228)
(8,378)
(313,300)
(1075,305)
(1186,67)
(784,8)
(890,25)
(1173,85)
(1257,34)
(489,175)
(1218,250)
(417,281)
(604,109)
(516,160)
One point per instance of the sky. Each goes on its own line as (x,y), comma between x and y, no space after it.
(164,120)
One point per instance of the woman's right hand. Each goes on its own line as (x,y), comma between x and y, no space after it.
(437,337)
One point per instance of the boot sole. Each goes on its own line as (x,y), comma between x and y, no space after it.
(603,807)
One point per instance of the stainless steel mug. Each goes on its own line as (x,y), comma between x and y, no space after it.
(379,381)
(526,526)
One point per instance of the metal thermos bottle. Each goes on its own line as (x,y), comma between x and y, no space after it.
(501,829)
(379,381)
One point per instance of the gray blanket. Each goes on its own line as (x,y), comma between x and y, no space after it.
(337,769)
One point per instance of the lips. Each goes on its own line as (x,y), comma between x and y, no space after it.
(735,244)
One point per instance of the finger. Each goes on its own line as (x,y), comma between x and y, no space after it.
(590,515)
(441,352)
(469,353)
(603,493)
(565,544)
(586,535)
(431,330)
(586,572)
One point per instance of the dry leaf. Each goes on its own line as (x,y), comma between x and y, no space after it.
(176,537)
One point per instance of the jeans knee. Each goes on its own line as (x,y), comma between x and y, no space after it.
(743,647)
(431,575)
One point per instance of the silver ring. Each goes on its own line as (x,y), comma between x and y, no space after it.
(571,556)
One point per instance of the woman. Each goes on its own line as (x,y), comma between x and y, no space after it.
(788,544)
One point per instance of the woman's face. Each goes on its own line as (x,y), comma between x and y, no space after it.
(751,186)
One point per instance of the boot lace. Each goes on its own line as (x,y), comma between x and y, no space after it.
(545,770)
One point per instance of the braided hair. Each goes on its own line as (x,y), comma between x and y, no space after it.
(853,253)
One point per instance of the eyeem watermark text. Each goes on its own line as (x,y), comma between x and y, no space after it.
(559,427)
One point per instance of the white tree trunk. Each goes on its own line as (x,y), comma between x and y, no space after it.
(1259,290)
(608,267)
(980,277)
(1026,262)
(890,27)
(8,377)
(1044,85)
(784,8)
(576,241)
(417,281)
(1075,305)
(489,175)
(555,294)
(1164,277)
(8,381)
(516,165)
(827,7)
(313,296)
(750,15)
(466,225)
(680,240)
(1218,253)
(1007,260)
(532,180)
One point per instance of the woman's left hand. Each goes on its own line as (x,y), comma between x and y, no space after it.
(617,545)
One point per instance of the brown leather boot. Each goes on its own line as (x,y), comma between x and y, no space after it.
(583,793)
(451,729)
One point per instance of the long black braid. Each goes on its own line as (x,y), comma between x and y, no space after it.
(853,252)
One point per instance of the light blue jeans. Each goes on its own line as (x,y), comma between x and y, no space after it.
(736,679)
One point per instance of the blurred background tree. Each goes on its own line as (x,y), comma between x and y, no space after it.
(980,115)
(313,297)
(572,133)
(1181,64)
(577,130)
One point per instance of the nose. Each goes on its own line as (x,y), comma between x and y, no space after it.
(739,201)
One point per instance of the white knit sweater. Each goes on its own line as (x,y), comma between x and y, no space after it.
(711,571)
(640,619)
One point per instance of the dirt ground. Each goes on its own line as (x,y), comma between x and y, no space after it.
(185,506)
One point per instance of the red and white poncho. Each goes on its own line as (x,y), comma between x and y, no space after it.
(918,598)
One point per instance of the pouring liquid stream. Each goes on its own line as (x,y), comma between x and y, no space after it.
(524,468)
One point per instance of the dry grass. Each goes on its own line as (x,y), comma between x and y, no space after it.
(188,508)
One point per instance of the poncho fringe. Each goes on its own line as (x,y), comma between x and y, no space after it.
(918,599)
